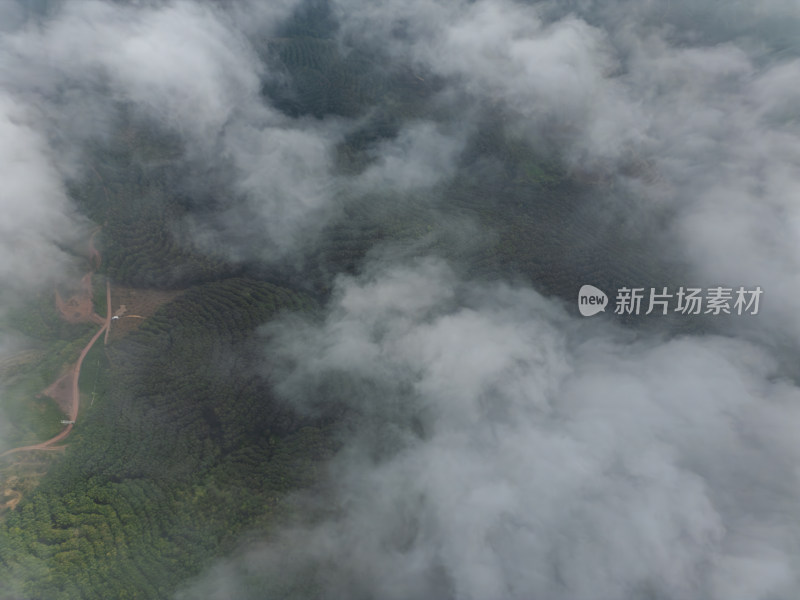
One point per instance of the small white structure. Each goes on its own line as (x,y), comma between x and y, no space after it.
(68,422)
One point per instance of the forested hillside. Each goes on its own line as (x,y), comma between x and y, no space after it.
(134,190)
(183,448)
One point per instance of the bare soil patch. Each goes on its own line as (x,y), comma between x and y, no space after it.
(75,305)
(9,498)
(22,476)
(132,306)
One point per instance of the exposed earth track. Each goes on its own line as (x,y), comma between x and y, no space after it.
(76,373)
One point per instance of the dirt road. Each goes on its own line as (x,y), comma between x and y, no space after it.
(76,395)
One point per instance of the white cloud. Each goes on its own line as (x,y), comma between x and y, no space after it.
(37,216)
(550,457)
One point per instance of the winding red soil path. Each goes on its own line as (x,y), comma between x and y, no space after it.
(76,395)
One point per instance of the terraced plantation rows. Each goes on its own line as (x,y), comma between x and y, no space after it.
(184,449)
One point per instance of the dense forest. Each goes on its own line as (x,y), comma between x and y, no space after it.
(182,450)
